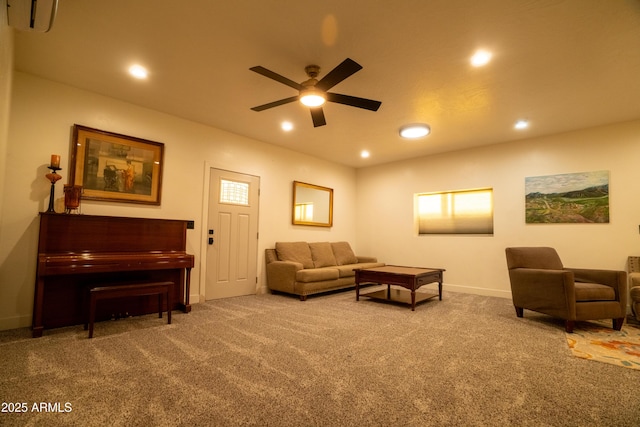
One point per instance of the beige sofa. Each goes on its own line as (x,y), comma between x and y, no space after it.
(302,268)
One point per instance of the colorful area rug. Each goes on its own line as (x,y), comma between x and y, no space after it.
(596,340)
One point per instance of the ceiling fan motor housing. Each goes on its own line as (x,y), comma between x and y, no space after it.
(312,71)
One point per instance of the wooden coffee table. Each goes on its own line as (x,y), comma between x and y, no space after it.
(410,278)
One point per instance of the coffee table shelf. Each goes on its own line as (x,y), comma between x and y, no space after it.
(410,278)
(398,295)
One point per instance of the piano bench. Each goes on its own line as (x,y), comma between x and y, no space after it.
(129,290)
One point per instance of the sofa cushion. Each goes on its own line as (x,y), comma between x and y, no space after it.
(316,274)
(322,254)
(594,292)
(347,270)
(343,253)
(296,252)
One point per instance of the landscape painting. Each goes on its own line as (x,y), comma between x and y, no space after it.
(568,198)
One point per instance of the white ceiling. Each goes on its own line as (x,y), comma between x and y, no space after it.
(563,65)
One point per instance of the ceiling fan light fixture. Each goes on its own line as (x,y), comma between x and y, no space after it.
(312,98)
(415,130)
(313,93)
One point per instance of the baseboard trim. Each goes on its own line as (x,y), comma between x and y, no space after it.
(477,291)
(15,322)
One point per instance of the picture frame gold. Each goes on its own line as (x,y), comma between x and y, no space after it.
(116,168)
(312,205)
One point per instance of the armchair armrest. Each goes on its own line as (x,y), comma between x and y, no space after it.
(616,279)
(611,278)
(634,280)
(547,291)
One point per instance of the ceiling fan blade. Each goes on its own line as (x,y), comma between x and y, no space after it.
(367,104)
(317,115)
(275,103)
(277,77)
(338,74)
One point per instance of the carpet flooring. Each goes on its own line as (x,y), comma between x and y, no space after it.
(272,360)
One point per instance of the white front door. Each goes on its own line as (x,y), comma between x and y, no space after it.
(232,234)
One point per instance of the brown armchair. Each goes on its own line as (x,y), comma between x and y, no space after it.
(634,285)
(540,283)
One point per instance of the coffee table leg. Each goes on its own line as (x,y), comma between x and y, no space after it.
(413,300)
(440,291)
(357,291)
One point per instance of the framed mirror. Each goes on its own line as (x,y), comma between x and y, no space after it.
(312,205)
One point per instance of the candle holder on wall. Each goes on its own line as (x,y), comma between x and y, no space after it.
(53,177)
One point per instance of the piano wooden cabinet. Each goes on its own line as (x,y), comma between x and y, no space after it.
(78,251)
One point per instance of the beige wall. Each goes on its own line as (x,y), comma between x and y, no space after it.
(477,264)
(6,73)
(42,116)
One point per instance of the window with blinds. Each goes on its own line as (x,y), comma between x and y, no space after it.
(455,212)
(234,192)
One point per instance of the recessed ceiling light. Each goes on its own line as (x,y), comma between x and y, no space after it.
(364,154)
(138,71)
(521,124)
(286,126)
(480,58)
(415,130)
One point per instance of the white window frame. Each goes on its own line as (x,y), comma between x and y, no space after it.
(239,195)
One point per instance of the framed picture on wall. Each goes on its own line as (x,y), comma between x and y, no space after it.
(567,198)
(114,167)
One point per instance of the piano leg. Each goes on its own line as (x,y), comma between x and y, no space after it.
(37,326)
(185,306)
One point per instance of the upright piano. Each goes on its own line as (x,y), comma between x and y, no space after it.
(76,252)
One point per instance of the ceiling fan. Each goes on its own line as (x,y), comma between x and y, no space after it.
(313,92)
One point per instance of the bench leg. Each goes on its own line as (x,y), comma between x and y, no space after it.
(92,313)
(169,305)
(85,308)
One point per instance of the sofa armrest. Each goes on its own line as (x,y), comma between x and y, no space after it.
(362,259)
(270,255)
(281,275)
